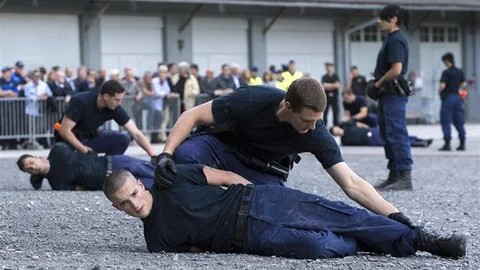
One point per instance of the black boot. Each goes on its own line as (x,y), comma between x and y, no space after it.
(404,182)
(450,246)
(392,178)
(461,147)
(446,146)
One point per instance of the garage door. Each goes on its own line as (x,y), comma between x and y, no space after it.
(39,40)
(218,41)
(435,41)
(130,41)
(365,45)
(308,42)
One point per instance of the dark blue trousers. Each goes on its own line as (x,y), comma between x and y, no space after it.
(376,138)
(204,148)
(290,223)
(140,168)
(452,109)
(393,129)
(109,142)
(371,120)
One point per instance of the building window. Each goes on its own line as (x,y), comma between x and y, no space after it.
(370,34)
(356,36)
(438,34)
(452,33)
(424,34)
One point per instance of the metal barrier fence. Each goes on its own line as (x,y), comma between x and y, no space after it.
(25,120)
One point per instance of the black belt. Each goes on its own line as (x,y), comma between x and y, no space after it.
(241,226)
(109,166)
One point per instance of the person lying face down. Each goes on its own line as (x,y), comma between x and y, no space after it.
(196,213)
(67,169)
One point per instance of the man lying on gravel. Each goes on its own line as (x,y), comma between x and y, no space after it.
(196,213)
(67,169)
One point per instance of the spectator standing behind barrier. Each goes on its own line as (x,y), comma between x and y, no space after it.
(8,87)
(36,90)
(331,83)
(194,72)
(92,81)
(238,80)
(268,79)
(290,74)
(225,82)
(88,111)
(18,75)
(81,84)
(186,85)
(172,69)
(69,78)
(133,88)
(254,78)
(59,86)
(246,76)
(161,91)
(208,84)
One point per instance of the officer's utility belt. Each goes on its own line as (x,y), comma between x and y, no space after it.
(278,168)
(241,224)
(398,86)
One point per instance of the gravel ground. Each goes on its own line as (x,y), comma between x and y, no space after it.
(63,230)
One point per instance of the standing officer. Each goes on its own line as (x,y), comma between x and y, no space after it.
(392,90)
(452,105)
(87,111)
(356,82)
(331,83)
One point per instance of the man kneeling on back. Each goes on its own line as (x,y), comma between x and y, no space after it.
(197,214)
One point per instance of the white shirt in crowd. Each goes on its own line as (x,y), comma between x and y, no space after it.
(161,89)
(32,93)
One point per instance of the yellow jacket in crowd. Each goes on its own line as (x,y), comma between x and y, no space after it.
(255,81)
(288,78)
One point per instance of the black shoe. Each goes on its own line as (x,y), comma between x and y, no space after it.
(429,142)
(392,178)
(461,147)
(446,146)
(404,182)
(450,246)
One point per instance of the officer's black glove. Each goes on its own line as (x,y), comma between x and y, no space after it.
(372,91)
(165,171)
(153,160)
(400,217)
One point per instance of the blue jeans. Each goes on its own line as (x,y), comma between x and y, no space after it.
(393,130)
(109,142)
(204,148)
(141,169)
(290,223)
(452,109)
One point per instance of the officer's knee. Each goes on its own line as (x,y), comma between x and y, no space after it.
(332,246)
(188,153)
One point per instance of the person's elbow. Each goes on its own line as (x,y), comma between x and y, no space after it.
(396,69)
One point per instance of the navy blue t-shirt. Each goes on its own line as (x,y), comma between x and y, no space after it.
(394,49)
(69,168)
(331,79)
(353,135)
(452,77)
(192,213)
(8,85)
(355,106)
(83,110)
(260,133)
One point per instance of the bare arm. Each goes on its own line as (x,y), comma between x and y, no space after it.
(218,177)
(442,86)
(346,115)
(199,115)
(393,73)
(139,137)
(360,190)
(66,132)
(362,114)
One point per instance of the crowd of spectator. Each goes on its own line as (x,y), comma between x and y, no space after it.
(155,92)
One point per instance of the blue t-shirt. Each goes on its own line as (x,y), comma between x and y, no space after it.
(18,79)
(355,106)
(259,132)
(394,49)
(452,77)
(8,85)
(83,110)
(192,213)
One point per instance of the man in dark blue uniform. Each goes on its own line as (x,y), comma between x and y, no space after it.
(356,109)
(452,105)
(256,132)
(86,112)
(67,169)
(197,214)
(392,90)
(331,83)
(359,134)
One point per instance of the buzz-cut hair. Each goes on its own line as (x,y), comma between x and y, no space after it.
(306,93)
(21,162)
(116,181)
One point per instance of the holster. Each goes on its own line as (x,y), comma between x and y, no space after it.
(277,167)
(398,86)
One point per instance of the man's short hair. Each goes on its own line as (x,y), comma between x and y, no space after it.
(112,87)
(20,162)
(306,92)
(328,64)
(347,92)
(225,65)
(115,182)
(448,57)
(194,66)
(353,68)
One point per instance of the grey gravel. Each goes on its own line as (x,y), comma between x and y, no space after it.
(81,230)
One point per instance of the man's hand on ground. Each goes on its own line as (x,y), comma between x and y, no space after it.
(400,217)
(165,171)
